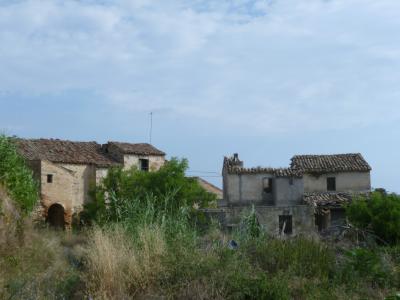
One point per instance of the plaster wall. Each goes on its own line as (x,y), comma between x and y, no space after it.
(286,193)
(249,189)
(101,173)
(345,182)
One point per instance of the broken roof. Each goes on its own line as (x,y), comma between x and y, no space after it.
(277,172)
(235,166)
(138,149)
(351,162)
(326,200)
(60,151)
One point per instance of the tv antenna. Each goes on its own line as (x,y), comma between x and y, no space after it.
(151,126)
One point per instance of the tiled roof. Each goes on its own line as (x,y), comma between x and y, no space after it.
(209,187)
(352,162)
(60,151)
(277,172)
(138,149)
(234,166)
(327,199)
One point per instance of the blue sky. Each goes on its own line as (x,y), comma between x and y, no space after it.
(267,78)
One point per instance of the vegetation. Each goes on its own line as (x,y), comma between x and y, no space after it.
(16,177)
(134,195)
(379,213)
(143,243)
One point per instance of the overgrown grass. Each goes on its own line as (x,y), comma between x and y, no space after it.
(37,268)
(151,247)
(174,261)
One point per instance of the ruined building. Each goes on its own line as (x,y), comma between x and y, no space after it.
(307,196)
(67,170)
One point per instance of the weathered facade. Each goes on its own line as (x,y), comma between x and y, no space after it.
(307,196)
(67,170)
(330,181)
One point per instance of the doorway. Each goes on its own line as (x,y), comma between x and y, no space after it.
(55,216)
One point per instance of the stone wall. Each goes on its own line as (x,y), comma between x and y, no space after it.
(69,187)
(155,162)
(268,217)
(345,182)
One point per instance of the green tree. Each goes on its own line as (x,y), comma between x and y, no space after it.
(16,176)
(165,191)
(380,213)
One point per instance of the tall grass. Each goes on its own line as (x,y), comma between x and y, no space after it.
(165,256)
(39,269)
(120,267)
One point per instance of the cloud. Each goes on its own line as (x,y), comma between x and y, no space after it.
(258,66)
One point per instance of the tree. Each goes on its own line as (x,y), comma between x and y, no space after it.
(168,189)
(380,213)
(16,176)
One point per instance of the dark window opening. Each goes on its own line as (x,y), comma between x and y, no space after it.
(49,178)
(331,183)
(285,224)
(267,185)
(144,164)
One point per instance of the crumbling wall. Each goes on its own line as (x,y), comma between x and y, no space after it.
(268,217)
(155,162)
(70,187)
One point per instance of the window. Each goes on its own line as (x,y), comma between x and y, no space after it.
(331,183)
(144,164)
(49,178)
(267,185)
(285,224)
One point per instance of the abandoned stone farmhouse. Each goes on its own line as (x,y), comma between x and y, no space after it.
(307,196)
(67,170)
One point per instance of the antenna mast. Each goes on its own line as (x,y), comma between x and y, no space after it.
(151,125)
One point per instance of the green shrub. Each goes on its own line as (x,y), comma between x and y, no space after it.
(16,177)
(153,195)
(380,213)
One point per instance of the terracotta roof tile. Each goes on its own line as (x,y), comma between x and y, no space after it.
(352,162)
(60,151)
(139,149)
(235,166)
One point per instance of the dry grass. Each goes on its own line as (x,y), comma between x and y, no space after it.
(9,217)
(35,266)
(119,268)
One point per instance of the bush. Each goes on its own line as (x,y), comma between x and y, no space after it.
(16,177)
(129,194)
(379,213)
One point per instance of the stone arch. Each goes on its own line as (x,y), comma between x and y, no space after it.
(55,216)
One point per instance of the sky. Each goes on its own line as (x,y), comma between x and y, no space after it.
(267,79)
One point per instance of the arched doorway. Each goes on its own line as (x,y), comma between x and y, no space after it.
(55,216)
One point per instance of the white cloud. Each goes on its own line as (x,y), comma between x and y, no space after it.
(263,66)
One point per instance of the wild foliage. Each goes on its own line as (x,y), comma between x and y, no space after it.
(16,177)
(379,213)
(134,195)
